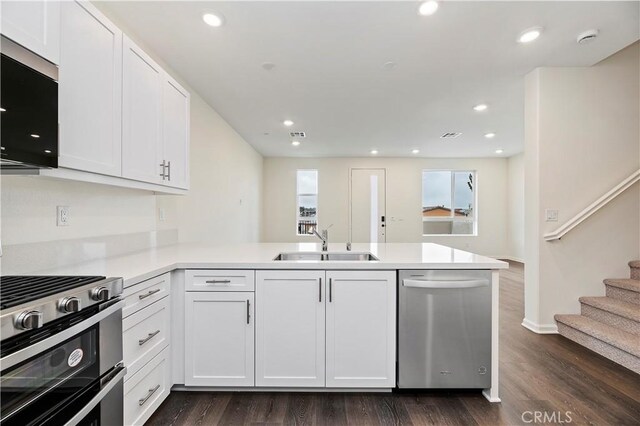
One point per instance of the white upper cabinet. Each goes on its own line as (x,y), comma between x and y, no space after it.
(175,133)
(34,25)
(141,115)
(361,331)
(90,90)
(290,329)
(219,339)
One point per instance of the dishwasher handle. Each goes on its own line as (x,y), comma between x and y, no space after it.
(445,283)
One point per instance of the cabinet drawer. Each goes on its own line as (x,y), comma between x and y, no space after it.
(145,334)
(146,390)
(219,280)
(145,293)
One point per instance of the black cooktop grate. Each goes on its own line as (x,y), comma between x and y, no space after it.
(18,289)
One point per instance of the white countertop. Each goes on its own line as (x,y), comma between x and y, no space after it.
(142,265)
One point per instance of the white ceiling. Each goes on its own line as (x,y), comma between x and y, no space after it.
(330,80)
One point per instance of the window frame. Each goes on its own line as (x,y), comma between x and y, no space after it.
(298,195)
(452,217)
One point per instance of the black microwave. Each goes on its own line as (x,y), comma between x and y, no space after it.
(28,110)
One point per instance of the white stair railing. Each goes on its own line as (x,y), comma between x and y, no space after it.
(593,207)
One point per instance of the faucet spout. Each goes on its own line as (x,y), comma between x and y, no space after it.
(324,236)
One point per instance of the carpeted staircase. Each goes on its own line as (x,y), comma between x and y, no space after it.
(610,325)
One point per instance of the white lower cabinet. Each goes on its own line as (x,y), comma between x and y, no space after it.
(145,390)
(219,339)
(290,321)
(361,329)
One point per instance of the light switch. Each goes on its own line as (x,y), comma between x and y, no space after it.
(551,215)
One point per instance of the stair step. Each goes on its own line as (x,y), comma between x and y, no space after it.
(613,312)
(635,269)
(618,307)
(615,337)
(624,289)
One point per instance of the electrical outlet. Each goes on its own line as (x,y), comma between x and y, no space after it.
(62,215)
(551,215)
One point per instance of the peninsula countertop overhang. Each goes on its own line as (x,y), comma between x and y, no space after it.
(139,266)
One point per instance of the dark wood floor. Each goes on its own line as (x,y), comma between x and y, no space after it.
(538,373)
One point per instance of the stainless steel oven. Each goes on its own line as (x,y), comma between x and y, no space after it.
(68,371)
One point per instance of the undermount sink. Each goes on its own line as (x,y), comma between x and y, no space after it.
(328,256)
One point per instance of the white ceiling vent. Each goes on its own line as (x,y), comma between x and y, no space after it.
(450,135)
(298,135)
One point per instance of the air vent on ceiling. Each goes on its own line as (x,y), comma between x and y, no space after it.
(298,134)
(450,135)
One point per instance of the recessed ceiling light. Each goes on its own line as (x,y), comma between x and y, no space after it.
(213,19)
(374,151)
(33,135)
(480,107)
(47,151)
(2,110)
(295,143)
(489,135)
(389,65)
(268,66)
(415,151)
(587,36)
(499,151)
(428,8)
(529,35)
(288,123)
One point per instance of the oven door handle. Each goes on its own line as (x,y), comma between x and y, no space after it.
(26,353)
(106,388)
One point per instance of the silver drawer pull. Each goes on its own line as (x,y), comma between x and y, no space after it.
(141,401)
(218,281)
(149,337)
(149,293)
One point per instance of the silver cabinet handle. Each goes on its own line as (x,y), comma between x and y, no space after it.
(149,337)
(169,170)
(141,401)
(163,165)
(445,283)
(319,289)
(330,289)
(149,293)
(218,282)
(248,312)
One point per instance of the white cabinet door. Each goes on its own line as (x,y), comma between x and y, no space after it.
(219,339)
(141,115)
(361,332)
(175,133)
(290,328)
(90,90)
(34,25)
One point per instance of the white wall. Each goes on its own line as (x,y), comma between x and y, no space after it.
(404,199)
(515,207)
(582,138)
(224,169)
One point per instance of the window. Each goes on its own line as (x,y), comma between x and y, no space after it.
(307,201)
(448,202)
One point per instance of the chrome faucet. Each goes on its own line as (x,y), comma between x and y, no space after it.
(324,236)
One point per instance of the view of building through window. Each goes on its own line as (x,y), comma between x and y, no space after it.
(307,201)
(448,202)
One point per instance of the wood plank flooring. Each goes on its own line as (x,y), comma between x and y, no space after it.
(538,373)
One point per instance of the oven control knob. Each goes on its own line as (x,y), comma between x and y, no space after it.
(29,320)
(101,294)
(69,304)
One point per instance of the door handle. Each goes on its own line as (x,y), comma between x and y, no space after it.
(248,312)
(319,289)
(149,337)
(444,283)
(163,165)
(141,401)
(218,282)
(330,290)
(169,171)
(149,293)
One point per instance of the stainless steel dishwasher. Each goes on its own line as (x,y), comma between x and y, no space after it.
(444,329)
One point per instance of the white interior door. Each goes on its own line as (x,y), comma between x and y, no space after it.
(368,201)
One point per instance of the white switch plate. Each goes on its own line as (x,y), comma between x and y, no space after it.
(551,215)
(161,214)
(62,216)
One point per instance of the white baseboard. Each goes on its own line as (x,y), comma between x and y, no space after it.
(540,328)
